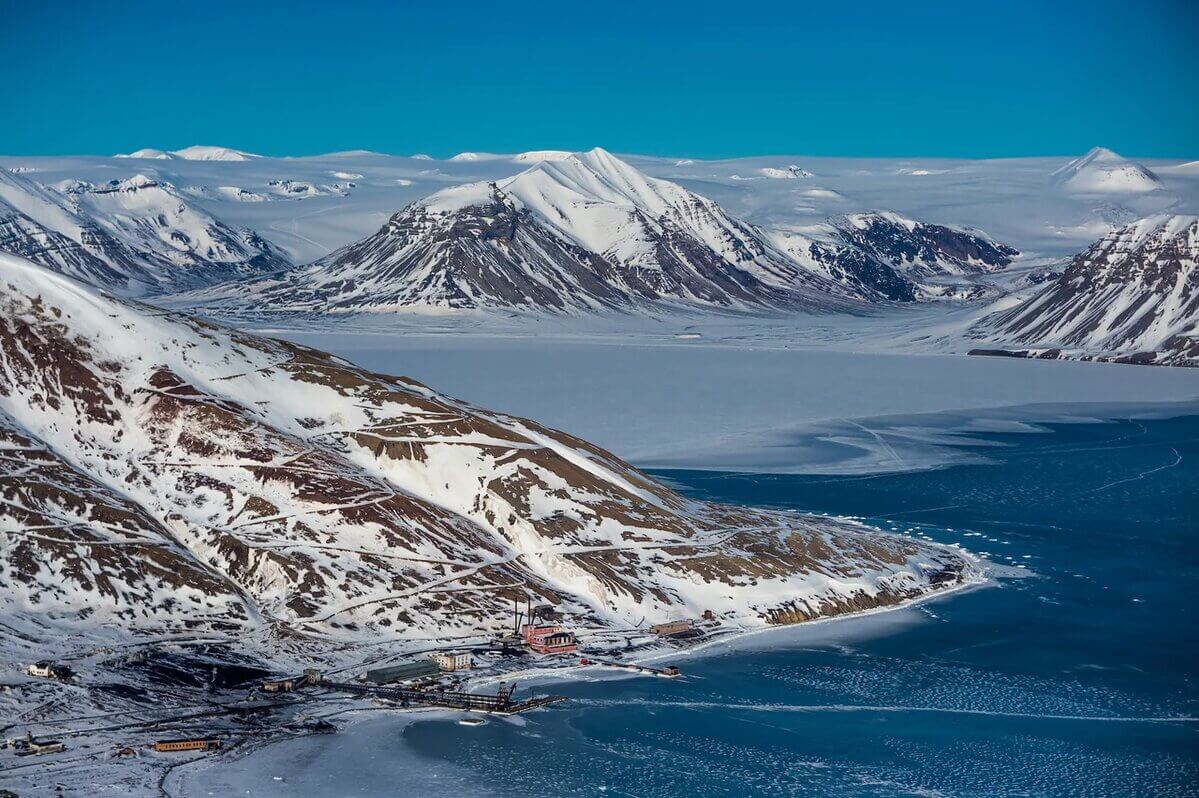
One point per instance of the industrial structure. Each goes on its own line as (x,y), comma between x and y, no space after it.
(502,703)
(552,639)
(671,629)
(195,744)
(404,672)
(311,678)
(32,746)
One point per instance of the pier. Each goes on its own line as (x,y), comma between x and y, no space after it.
(500,704)
(669,672)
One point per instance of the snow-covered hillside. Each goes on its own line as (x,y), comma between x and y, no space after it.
(162,471)
(1132,295)
(135,235)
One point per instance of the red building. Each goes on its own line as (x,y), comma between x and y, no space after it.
(548,639)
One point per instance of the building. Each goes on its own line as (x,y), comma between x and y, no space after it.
(548,639)
(403,673)
(32,747)
(282,685)
(708,616)
(49,670)
(197,744)
(452,660)
(671,629)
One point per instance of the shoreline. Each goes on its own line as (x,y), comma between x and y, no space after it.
(548,676)
(398,718)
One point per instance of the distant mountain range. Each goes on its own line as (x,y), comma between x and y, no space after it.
(590,232)
(133,236)
(195,153)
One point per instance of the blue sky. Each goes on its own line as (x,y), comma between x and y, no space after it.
(986,79)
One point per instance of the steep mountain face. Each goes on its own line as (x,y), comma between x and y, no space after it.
(132,236)
(885,256)
(921,250)
(823,252)
(590,232)
(1134,293)
(161,470)
(1102,171)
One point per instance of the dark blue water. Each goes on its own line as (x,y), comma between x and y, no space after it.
(1072,677)
(1046,685)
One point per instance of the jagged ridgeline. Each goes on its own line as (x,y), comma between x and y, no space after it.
(163,472)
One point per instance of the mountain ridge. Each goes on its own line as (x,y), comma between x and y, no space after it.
(590,232)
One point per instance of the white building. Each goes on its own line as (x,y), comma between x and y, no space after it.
(452,660)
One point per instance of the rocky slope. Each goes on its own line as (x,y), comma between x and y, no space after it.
(162,472)
(590,232)
(1133,295)
(132,236)
(885,256)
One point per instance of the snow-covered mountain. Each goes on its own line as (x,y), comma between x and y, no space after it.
(791,172)
(196,152)
(591,232)
(884,255)
(1132,295)
(133,236)
(162,472)
(1102,171)
(922,250)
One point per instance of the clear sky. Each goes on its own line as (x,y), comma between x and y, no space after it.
(980,79)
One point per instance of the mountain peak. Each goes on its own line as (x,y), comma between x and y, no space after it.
(196,152)
(1103,171)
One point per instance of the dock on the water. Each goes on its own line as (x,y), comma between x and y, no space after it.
(669,672)
(500,704)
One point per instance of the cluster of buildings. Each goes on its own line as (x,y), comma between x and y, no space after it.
(32,746)
(438,662)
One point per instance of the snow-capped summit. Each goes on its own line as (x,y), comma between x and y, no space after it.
(533,156)
(196,152)
(592,232)
(1134,292)
(1102,171)
(791,172)
(475,156)
(586,232)
(148,154)
(200,152)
